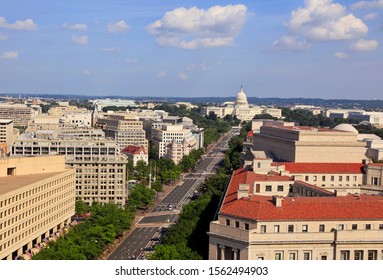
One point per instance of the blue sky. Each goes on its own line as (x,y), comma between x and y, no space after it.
(274,48)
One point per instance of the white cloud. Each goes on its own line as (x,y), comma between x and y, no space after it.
(368,4)
(289,44)
(132,60)
(182,76)
(195,28)
(118,27)
(113,50)
(3,37)
(364,45)
(9,55)
(80,40)
(321,20)
(27,24)
(370,16)
(341,55)
(76,27)
(161,74)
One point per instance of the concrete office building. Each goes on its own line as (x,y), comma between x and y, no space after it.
(124,131)
(255,227)
(37,198)
(173,142)
(100,168)
(20,114)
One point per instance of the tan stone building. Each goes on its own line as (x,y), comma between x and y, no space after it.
(37,198)
(254,227)
(19,113)
(309,144)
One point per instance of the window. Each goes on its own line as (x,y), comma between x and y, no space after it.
(258,165)
(268,188)
(341,227)
(280,188)
(354,227)
(323,178)
(305,228)
(355,178)
(321,228)
(263,229)
(306,178)
(247,226)
(358,255)
(292,256)
(227,222)
(332,178)
(380,226)
(340,178)
(344,255)
(315,178)
(372,254)
(347,178)
(291,228)
(323,258)
(276,228)
(306,256)
(236,224)
(368,226)
(278,256)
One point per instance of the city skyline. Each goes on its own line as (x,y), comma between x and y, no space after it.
(312,48)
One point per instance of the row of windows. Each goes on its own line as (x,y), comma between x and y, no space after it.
(54,196)
(32,226)
(236,224)
(270,188)
(321,228)
(36,191)
(332,178)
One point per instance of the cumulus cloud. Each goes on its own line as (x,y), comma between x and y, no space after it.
(364,45)
(182,76)
(321,20)
(118,27)
(194,28)
(76,27)
(290,44)
(368,4)
(9,55)
(341,55)
(27,24)
(80,40)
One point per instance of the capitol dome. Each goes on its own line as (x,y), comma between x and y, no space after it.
(346,127)
(241,100)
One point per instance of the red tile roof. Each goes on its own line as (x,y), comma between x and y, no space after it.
(259,208)
(241,176)
(318,168)
(133,149)
(250,134)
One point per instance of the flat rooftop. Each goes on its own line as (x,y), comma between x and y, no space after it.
(11,183)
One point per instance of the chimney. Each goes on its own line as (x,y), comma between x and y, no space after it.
(243,191)
(277,200)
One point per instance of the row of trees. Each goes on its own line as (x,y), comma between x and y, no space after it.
(187,239)
(88,239)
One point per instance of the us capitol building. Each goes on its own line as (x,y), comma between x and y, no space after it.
(241,109)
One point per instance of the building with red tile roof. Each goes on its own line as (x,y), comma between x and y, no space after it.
(136,153)
(321,225)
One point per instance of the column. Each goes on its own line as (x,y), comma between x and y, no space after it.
(235,254)
(222,251)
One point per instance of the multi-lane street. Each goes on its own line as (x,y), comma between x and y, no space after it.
(149,230)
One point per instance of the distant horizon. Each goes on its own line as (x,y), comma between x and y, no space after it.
(288,49)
